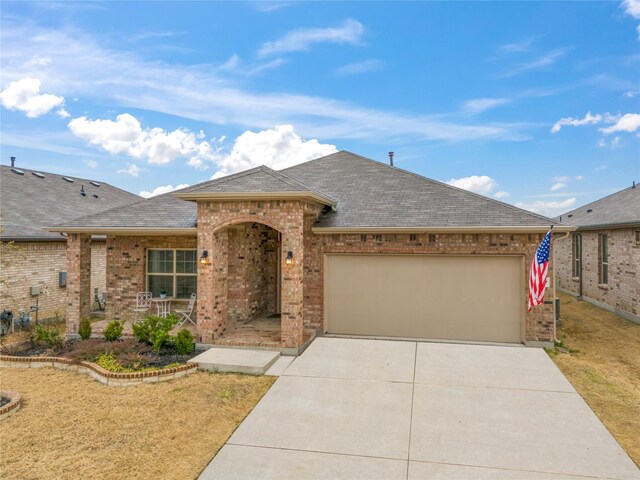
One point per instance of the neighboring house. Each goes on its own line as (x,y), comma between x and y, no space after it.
(341,244)
(33,257)
(600,261)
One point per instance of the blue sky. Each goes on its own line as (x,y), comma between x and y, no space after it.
(536,104)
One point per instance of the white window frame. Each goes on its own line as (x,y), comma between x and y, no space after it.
(174,274)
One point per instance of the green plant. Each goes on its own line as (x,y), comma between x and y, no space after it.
(183,342)
(113,331)
(154,330)
(51,337)
(85,329)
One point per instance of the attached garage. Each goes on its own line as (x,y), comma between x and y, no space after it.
(445,297)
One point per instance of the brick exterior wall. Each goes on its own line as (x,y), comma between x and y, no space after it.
(240,280)
(623,289)
(539,323)
(29,264)
(127,270)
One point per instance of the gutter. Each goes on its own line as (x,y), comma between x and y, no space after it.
(231,196)
(606,226)
(126,230)
(447,229)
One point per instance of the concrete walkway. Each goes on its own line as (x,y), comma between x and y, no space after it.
(373,409)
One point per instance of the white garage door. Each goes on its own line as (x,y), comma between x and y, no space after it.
(475,298)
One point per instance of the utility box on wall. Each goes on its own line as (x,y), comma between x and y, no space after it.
(35,291)
(62,279)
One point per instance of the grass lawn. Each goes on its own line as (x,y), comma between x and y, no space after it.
(603,364)
(71,426)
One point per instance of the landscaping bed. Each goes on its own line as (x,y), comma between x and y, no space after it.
(599,354)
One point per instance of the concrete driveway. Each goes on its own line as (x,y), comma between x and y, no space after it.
(374,409)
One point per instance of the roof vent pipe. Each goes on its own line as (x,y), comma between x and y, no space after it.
(634,184)
(391,158)
(13,162)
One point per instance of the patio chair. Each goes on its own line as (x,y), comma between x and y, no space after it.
(143,303)
(185,314)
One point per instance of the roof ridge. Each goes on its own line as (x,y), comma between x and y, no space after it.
(226,178)
(288,179)
(422,177)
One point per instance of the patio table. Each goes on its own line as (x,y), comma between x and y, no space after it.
(163,305)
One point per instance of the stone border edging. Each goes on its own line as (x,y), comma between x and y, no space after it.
(11,407)
(115,379)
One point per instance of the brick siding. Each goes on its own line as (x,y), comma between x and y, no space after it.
(623,288)
(30,264)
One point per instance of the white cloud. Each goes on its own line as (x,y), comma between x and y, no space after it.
(549,209)
(576,122)
(24,95)
(501,194)
(479,105)
(481,184)
(298,40)
(632,8)
(560,179)
(359,67)
(517,47)
(616,142)
(236,65)
(277,148)
(81,66)
(162,189)
(631,93)
(132,170)
(90,163)
(579,177)
(62,113)
(557,186)
(627,123)
(602,168)
(541,62)
(602,143)
(126,136)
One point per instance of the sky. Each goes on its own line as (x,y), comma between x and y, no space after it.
(535,104)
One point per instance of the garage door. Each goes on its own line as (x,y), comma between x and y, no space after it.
(474,298)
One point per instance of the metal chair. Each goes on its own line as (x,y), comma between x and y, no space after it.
(185,314)
(143,303)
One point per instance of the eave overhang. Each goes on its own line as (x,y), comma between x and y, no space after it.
(137,231)
(444,229)
(312,197)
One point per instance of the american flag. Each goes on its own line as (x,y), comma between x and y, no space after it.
(538,272)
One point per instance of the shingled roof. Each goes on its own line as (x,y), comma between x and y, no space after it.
(365,194)
(30,200)
(619,209)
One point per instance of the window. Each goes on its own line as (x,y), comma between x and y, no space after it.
(576,254)
(637,237)
(603,258)
(172,270)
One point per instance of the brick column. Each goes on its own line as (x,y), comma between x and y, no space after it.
(291,325)
(78,280)
(212,284)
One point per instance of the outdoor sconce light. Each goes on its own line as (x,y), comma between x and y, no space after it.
(289,259)
(204,259)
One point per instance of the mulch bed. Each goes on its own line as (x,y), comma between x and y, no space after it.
(166,356)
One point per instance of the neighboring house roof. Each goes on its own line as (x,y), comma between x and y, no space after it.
(30,200)
(367,194)
(619,209)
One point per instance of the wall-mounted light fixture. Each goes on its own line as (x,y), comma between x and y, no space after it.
(289,259)
(204,259)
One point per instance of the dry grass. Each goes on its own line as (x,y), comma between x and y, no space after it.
(604,367)
(71,426)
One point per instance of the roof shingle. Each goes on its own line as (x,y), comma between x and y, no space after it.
(620,208)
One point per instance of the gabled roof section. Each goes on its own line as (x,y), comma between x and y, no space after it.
(258,183)
(619,209)
(31,200)
(373,195)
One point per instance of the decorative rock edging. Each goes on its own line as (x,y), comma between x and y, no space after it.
(11,407)
(115,379)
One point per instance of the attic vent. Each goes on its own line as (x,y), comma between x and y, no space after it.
(95,184)
(589,211)
(570,215)
(19,172)
(37,174)
(67,179)
(95,196)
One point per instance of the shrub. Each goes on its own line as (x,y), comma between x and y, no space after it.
(89,350)
(85,329)
(183,342)
(109,362)
(113,331)
(154,330)
(51,337)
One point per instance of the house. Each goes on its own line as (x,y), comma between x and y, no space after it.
(33,257)
(341,244)
(600,262)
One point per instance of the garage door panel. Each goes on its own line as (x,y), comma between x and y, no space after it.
(425,296)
